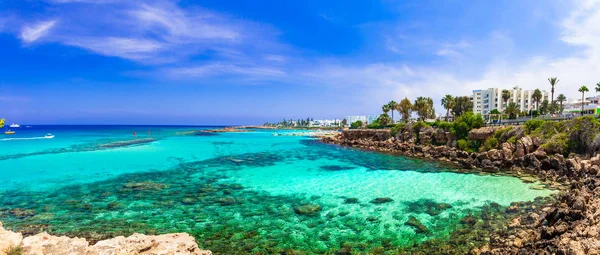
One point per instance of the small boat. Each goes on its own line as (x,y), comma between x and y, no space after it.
(10,132)
(14,125)
(48,136)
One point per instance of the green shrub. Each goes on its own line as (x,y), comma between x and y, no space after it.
(533,124)
(419,125)
(461,130)
(356,124)
(490,143)
(462,144)
(548,129)
(500,132)
(512,140)
(557,144)
(463,124)
(397,129)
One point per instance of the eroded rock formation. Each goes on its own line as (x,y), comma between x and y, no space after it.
(45,244)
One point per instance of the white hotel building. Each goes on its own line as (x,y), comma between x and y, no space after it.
(485,100)
(352,119)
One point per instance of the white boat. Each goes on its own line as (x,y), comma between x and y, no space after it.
(14,125)
(49,136)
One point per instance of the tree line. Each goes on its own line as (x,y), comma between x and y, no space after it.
(423,107)
(542,107)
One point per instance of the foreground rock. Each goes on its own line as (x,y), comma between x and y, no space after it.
(308,209)
(45,244)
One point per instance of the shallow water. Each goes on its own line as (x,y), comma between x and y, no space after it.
(235,192)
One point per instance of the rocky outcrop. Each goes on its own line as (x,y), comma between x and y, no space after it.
(483,133)
(45,244)
(9,240)
(370,134)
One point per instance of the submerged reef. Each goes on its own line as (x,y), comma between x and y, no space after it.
(83,148)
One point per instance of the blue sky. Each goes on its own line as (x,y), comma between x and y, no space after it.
(247,62)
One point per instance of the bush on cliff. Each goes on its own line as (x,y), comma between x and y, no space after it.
(557,144)
(509,134)
(468,145)
(583,135)
(356,124)
(465,123)
(397,129)
(580,135)
(490,143)
(533,124)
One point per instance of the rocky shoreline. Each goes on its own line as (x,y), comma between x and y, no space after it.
(12,243)
(570,224)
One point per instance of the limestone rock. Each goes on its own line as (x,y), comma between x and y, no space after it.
(527,144)
(180,243)
(482,133)
(44,243)
(8,239)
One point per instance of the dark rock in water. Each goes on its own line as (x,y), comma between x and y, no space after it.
(334,168)
(202,133)
(125,143)
(224,201)
(143,186)
(372,219)
(22,213)
(417,225)
(468,220)
(381,200)
(112,205)
(351,200)
(307,209)
(427,206)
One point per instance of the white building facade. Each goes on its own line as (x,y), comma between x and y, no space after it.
(486,100)
(352,119)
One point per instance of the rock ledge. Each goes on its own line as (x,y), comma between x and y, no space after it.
(45,244)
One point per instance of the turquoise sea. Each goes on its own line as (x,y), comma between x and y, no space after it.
(247,192)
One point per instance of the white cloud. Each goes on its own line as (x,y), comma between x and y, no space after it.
(129,48)
(153,32)
(32,33)
(219,69)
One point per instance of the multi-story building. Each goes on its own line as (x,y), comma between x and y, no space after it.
(485,100)
(327,123)
(352,119)
(372,118)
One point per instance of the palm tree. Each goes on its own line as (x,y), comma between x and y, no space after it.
(448,103)
(598,87)
(505,96)
(2,123)
(583,89)
(405,108)
(392,106)
(385,108)
(512,109)
(537,98)
(561,98)
(553,81)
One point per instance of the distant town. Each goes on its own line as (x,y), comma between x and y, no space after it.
(486,102)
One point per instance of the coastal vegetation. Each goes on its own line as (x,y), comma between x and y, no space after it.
(2,123)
